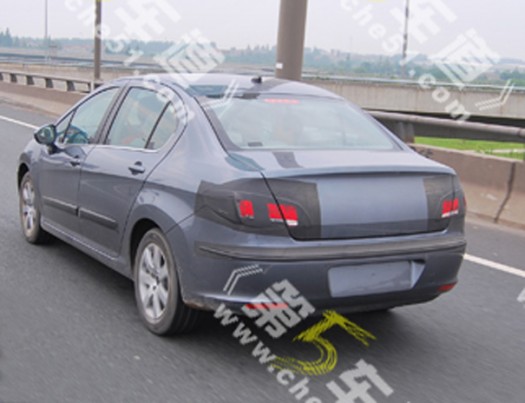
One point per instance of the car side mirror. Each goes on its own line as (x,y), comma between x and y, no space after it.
(46,135)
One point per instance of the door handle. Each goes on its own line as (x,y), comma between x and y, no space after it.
(137,168)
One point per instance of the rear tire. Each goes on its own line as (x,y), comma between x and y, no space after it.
(157,288)
(30,212)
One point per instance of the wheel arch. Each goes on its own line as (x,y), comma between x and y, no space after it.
(140,228)
(153,208)
(22,170)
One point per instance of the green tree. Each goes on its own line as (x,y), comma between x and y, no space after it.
(8,39)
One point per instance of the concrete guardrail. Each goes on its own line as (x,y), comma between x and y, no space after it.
(72,84)
(513,212)
(494,186)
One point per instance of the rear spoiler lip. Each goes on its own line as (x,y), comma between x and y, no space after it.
(367,170)
(296,163)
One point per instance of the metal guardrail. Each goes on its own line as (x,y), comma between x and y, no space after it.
(407,126)
(72,84)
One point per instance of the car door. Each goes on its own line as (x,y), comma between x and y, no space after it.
(59,171)
(115,171)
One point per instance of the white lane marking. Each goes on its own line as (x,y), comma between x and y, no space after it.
(18,122)
(496,266)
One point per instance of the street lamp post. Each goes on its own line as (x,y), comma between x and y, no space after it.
(46,33)
(98,40)
(290,40)
(405,40)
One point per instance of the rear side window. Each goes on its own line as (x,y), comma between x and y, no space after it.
(298,123)
(136,119)
(167,125)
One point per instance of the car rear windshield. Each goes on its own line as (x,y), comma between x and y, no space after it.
(268,123)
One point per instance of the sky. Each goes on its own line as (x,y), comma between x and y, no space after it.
(361,26)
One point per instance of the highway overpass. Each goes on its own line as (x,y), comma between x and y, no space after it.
(429,97)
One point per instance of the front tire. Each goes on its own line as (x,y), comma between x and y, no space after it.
(157,288)
(30,212)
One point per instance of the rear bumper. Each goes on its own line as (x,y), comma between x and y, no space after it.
(334,252)
(423,263)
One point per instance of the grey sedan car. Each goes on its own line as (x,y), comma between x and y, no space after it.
(207,190)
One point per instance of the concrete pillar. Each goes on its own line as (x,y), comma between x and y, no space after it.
(290,40)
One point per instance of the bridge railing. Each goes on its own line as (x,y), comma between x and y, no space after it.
(406,83)
(70,84)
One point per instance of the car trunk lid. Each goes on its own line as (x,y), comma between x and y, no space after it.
(345,195)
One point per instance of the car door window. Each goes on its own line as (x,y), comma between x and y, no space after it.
(88,117)
(136,119)
(167,125)
(61,128)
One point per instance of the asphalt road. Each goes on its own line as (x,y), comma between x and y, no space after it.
(69,330)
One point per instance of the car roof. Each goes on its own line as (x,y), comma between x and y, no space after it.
(218,84)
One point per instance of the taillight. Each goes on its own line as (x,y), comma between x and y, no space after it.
(275,212)
(246,209)
(446,287)
(283,212)
(450,208)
